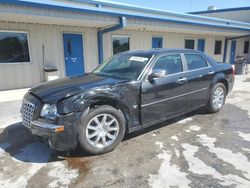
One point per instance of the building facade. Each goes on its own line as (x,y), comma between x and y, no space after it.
(242,14)
(74,36)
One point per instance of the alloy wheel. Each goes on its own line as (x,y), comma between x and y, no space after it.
(102,130)
(218,98)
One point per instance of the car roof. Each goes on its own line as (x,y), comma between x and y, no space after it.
(156,51)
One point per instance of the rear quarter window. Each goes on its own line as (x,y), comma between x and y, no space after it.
(195,61)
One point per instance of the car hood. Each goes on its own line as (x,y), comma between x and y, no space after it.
(52,92)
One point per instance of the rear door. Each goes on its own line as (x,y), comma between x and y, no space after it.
(200,75)
(164,96)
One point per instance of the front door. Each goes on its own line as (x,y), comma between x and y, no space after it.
(201,45)
(232,52)
(73,54)
(164,96)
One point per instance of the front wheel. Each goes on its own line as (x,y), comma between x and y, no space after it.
(101,130)
(217,98)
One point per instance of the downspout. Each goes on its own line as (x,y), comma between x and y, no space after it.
(225,50)
(122,24)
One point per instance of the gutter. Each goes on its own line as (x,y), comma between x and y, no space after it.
(122,24)
(202,21)
(226,44)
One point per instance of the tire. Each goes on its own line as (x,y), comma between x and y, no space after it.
(109,135)
(214,106)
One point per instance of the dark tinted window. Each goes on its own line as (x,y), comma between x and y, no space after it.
(195,61)
(170,63)
(217,47)
(189,43)
(120,44)
(14,47)
(246,47)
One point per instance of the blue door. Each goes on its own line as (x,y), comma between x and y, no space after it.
(156,42)
(232,52)
(73,54)
(201,45)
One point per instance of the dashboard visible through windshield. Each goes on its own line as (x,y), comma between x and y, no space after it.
(123,66)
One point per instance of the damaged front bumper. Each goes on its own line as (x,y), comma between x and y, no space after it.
(61,136)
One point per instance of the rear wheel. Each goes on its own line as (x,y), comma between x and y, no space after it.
(217,98)
(102,130)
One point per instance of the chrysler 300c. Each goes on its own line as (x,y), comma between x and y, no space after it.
(130,91)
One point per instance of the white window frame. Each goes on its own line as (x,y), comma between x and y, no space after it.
(221,47)
(190,39)
(244,46)
(28,40)
(121,36)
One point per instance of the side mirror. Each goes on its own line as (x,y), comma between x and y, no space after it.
(156,73)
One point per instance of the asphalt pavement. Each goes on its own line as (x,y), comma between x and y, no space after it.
(195,150)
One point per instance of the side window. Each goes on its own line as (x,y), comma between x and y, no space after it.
(195,61)
(217,47)
(189,43)
(246,47)
(14,47)
(170,63)
(120,44)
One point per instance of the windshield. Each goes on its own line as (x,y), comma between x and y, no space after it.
(123,66)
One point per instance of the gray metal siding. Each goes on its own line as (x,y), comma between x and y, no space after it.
(20,75)
(143,40)
(242,15)
(26,75)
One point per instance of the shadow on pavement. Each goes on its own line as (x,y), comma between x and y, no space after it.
(154,128)
(18,142)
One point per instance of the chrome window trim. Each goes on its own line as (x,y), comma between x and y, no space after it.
(208,64)
(167,99)
(147,72)
(145,69)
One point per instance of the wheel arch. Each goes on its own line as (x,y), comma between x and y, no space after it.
(221,78)
(225,83)
(101,101)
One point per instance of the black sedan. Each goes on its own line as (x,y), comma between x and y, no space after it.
(128,92)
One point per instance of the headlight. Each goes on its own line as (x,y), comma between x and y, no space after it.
(71,104)
(49,111)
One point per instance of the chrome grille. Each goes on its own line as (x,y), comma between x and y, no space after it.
(27,112)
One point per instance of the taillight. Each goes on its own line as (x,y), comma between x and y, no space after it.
(233,66)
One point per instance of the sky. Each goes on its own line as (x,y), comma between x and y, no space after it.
(183,6)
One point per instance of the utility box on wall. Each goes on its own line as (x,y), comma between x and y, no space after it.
(50,72)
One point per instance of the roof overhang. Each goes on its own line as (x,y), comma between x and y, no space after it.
(63,13)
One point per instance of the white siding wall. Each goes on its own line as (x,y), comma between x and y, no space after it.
(239,48)
(27,75)
(143,40)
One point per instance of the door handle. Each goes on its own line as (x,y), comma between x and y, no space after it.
(211,72)
(182,79)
